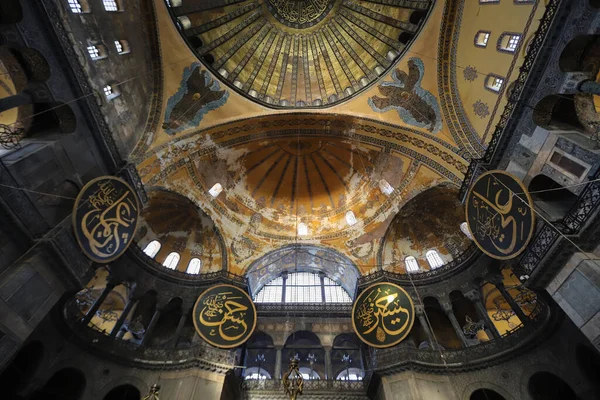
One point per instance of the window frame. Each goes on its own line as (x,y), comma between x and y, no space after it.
(176,256)
(487,41)
(507,49)
(495,77)
(437,259)
(576,160)
(287,285)
(408,261)
(111,91)
(117,4)
(124,45)
(83,6)
(157,250)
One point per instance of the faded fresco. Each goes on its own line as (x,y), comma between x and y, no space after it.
(415,105)
(198,94)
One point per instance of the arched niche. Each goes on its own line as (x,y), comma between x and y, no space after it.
(346,357)
(66,384)
(299,258)
(12,13)
(545,385)
(166,327)
(261,356)
(551,197)
(582,54)
(419,227)
(181,227)
(303,345)
(22,368)
(123,392)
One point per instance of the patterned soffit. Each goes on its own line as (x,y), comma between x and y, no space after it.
(299,53)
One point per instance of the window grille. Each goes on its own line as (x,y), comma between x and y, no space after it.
(411,264)
(434,259)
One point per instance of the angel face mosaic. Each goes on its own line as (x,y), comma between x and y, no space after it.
(105,218)
(383,315)
(499,214)
(224,316)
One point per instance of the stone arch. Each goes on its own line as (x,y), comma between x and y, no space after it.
(303,258)
(557,112)
(34,64)
(556,202)
(123,392)
(487,386)
(544,385)
(261,355)
(303,344)
(581,54)
(346,345)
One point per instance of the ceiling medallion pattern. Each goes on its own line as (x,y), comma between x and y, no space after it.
(302,53)
(299,13)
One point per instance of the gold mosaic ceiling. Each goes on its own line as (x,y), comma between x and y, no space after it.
(300,53)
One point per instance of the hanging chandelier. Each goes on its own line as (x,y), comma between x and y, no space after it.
(292,380)
(154,392)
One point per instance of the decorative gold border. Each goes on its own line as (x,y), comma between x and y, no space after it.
(530,205)
(208,340)
(74,215)
(412,305)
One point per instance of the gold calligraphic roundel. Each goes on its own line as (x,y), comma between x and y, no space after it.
(105,217)
(500,215)
(225,316)
(383,315)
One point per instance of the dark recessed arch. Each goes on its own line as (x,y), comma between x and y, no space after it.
(123,392)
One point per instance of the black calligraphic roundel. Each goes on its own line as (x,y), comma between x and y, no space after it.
(383,315)
(500,215)
(225,316)
(105,218)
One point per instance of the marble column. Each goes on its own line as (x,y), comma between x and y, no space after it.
(123,317)
(277,363)
(447,307)
(420,310)
(150,328)
(96,306)
(512,303)
(179,328)
(475,297)
(328,369)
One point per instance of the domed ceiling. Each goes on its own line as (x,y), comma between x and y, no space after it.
(298,53)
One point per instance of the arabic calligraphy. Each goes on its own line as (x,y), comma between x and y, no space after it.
(224,316)
(383,315)
(105,217)
(499,215)
(299,13)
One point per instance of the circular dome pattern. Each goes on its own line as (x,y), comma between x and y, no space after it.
(300,53)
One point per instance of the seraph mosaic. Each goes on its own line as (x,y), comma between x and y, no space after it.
(198,94)
(415,105)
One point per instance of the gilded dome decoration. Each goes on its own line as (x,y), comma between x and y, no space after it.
(299,13)
(301,53)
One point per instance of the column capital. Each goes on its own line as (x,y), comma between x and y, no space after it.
(447,307)
(473,295)
(420,310)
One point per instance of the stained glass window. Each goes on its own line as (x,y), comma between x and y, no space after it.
(302,287)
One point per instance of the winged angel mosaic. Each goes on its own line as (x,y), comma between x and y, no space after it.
(198,94)
(415,105)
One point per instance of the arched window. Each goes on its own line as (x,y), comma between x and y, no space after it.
(172,260)
(216,190)
(351,374)
(97,51)
(122,47)
(112,5)
(494,83)
(194,266)
(464,228)
(350,218)
(254,373)
(508,42)
(411,264)
(434,259)
(308,374)
(111,91)
(302,229)
(79,6)
(302,287)
(152,248)
(482,38)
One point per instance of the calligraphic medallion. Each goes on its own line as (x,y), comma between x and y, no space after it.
(383,315)
(499,213)
(299,14)
(224,316)
(105,217)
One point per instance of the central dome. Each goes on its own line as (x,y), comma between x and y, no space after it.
(300,53)
(299,13)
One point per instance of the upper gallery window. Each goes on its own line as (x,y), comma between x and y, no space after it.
(111,5)
(194,266)
(482,38)
(434,259)
(508,42)
(216,190)
(494,83)
(111,91)
(78,6)
(172,260)
(411,264)
(152,248)
(302,287)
